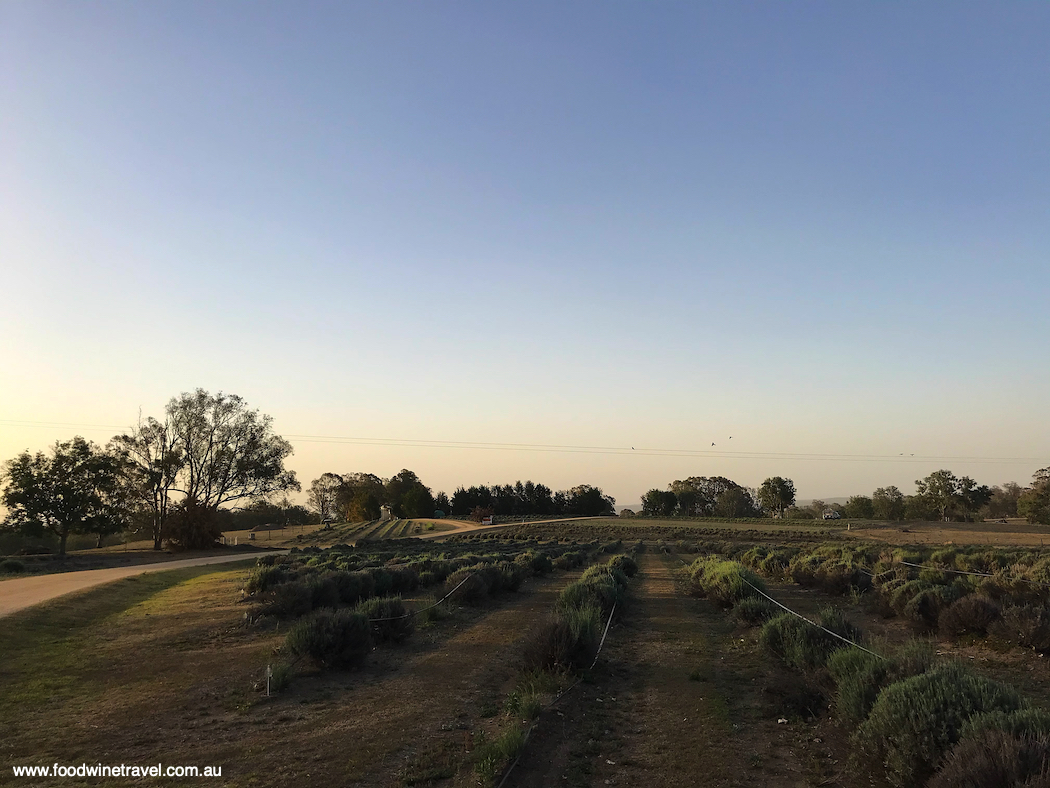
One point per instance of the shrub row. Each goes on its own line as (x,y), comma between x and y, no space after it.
(723,582)
(916,721)
(912,717)
(802,646)
(473,584)
(570,639)
(336,637)
(1010,605)
(290,587)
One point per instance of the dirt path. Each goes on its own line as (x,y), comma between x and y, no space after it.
(20,593)
(462,527)
(680,701)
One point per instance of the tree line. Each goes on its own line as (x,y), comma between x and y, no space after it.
(526,498)
(211,463)
(360,496)
(180,475)
(940,496)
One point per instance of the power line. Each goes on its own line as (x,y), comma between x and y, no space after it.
(604,450)
(653,452)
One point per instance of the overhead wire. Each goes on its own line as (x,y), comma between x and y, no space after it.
(587,449)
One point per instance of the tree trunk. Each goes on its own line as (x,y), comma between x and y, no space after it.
(157,535)
(62,543)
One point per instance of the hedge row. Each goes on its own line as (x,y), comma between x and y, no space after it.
(337,635)
(917,720)
(571,638)
(1011,604)
(291,586)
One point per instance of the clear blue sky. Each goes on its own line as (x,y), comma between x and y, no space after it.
(817,227)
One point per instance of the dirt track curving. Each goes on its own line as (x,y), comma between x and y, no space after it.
(20,593)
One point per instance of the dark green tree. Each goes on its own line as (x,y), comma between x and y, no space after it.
(776,494)
(736,501)
(360,497)
(887,503)
(75,489)
(407,495)
(1003,500)
(417,502)
(941,489)
(659,503)
(152,460)
(1034,503)
(323,495)
(689,499)
(920,507)
(587,501)
(861,507)
(231,455)
(972,497)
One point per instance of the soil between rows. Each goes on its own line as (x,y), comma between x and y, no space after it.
(170,678)
(678,699)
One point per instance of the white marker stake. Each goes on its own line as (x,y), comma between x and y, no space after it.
(269,673)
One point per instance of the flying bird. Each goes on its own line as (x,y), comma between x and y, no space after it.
(712,444)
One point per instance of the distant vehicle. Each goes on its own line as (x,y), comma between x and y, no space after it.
(831,514)
(330,519)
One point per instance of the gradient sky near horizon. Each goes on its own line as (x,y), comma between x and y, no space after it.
(820,228)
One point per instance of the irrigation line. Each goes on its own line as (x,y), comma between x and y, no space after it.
(423,609)
(814,623)
(862,569)
(808,621)
(873,575)
(606,632)
(975,574)
(557,698)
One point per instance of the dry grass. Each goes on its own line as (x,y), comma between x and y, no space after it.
(161,668)
(77,670)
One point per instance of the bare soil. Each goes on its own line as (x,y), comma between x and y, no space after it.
(1014,533)
(680,699)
